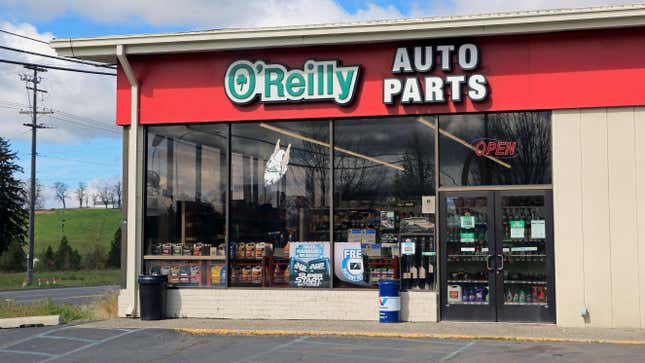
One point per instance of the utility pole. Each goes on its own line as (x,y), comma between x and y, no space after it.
(34,80)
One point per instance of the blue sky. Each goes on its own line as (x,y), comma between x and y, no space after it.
(86,146)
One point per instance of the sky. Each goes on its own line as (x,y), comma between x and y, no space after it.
(84,144)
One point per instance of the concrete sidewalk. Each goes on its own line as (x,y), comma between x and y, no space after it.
(441,330)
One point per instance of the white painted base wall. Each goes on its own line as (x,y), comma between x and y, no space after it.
(291,304)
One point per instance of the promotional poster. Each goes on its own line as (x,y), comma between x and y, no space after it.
(309,264)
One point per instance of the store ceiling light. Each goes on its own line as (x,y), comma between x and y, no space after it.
(322,143)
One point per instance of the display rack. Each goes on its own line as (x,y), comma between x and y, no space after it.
(282,265)
(425,256)
(184,258)
(242,262)
(374,263)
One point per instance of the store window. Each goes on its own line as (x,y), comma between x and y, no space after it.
(511,148)
(384,173)
(279,204)
(186,178)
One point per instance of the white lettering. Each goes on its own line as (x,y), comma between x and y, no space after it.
(391,87)
(401,62)
(411,91)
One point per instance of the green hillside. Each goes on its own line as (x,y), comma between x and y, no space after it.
(83,228)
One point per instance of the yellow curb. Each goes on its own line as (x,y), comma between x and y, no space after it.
(404,335)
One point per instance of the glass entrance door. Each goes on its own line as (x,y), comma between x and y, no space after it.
(524,256)
(467,245)
(497,256)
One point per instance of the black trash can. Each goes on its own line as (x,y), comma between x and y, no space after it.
(152,296)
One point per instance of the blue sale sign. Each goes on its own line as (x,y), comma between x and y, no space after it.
(309,264)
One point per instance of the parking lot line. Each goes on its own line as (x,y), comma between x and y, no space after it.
(91,345)
(274,349)
(456,352)
(27,352)
(69,338)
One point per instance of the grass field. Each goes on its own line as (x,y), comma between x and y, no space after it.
(104,308)
(14,280)
(84,228)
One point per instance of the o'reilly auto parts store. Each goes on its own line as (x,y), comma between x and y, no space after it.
(493,164)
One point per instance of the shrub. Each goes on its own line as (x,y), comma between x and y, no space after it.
(48,260)
(66,257)
(13,259)
(114,256)
(95,258)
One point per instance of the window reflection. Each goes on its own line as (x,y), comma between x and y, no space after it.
(185,204)
(272,214)
(382,170)
(510,148)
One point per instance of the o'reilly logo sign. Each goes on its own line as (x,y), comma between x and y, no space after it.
(245,82)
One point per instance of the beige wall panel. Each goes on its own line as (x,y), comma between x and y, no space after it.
(622,218)
(595,216)
(418,306)
(567,205)
(639,136)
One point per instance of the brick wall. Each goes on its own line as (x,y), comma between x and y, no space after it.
(294,304)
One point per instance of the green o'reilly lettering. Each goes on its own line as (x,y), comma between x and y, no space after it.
(325,80)
(242,86)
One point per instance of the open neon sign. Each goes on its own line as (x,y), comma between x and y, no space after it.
(497,148)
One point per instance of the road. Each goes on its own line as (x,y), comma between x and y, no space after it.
(68,295)
(78,344)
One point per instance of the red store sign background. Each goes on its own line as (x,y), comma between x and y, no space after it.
(526,72)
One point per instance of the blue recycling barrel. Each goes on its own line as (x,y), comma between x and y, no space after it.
(389,301)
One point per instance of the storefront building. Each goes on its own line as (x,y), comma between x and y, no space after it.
(492,164)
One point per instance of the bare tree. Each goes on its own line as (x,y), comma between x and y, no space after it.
(39,198)
(117,193)
(61,192)
(87,199)
(106,195)
(95,198)
(80,192)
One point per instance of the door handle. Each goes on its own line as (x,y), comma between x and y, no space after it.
(488,262)
(501,263)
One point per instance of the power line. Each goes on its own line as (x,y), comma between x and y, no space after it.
(74,160)
(55,67)
(16,105)
(87,125)
(58,58)
(24,36)
(71,118)
(83,118)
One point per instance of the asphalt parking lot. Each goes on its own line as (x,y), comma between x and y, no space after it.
(78,344)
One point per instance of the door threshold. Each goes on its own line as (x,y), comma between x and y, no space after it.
(498,322)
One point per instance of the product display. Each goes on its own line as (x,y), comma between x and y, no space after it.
(418,260)
(179,273)
(217,275)
(467,251)
(187,249)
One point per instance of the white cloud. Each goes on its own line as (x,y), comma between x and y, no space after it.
(82,99)
(257,13)
(462,7)
(206,13)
